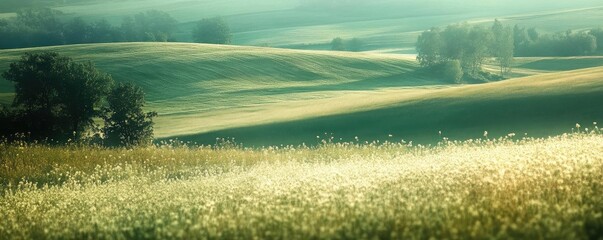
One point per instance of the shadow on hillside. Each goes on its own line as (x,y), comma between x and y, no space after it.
(416,78)
(457,118)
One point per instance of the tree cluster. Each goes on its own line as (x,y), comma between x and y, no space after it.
(352,45)
(57,100)
(530,43)
(45,27)
(461,50)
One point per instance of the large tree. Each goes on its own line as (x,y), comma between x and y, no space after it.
(56,97)
(503,46)
(212,30)
(337,44)
(125,122)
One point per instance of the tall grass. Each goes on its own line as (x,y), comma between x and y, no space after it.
(485,188)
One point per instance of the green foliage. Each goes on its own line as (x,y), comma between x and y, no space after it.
(598,34)
(153,25)
(352,45)
(429,47)
(470,46)
(355,45)
(56,97)
(503,46)
(125,122)
(44,27)
(476,48)
(337,44)
(212,30)
(532,44)
(31,27)
(452,69)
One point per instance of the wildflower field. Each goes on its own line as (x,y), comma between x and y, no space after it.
(504,188)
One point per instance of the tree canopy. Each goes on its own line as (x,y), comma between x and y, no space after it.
(58,99)
(125,122)
(212,30)
(503,46)
(45,27)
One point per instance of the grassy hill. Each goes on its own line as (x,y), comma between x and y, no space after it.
(198,88)
(539,105)
(278,96)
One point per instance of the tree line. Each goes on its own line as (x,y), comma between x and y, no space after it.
(45,27)
(352,45)
(58,100)
(459,51)
(531,43)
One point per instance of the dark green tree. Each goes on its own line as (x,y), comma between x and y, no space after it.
(56,97)
(429,47)
(125,122)
(77,31)
(101,31)
(212,30)
(355,45)
(337,44)
(154,25)
(582,44)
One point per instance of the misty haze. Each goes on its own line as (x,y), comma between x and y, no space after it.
(301,119)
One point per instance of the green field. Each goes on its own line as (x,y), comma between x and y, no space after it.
(203,87)
(275,138)
(265,96)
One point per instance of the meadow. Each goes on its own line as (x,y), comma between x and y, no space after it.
(267,96)
(287,141)
(501,188)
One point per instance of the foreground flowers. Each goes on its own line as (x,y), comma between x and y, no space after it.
(531,188)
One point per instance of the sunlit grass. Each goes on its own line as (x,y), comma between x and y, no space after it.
(484,188)
(199,89)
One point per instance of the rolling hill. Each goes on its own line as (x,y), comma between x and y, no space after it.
(537,106)
(198,88)
(276,96)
